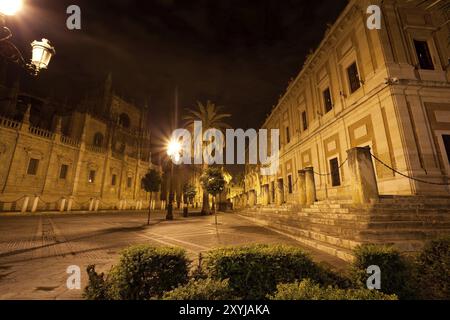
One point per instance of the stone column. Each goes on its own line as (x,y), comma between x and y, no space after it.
(280,191)
(310,186)
(363,180)
(302,187)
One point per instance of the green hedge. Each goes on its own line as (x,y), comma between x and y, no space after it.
(254,271)
(143,272)
(396,275)
(204,289)
(309,290)
(433,270)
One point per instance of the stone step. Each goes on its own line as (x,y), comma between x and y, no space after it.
(334,246)
(402,235)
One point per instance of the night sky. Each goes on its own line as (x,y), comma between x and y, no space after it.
(239,54)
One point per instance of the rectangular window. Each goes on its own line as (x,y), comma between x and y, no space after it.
(304,121)
(446,138)
(335,175)
(288,135)
(63,172)
(290,184)
(129,182)
(353,77)
(33,166)
(91,177)
(328,103)
(114,180)
(424,55)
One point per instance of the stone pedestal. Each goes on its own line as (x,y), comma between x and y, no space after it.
(310,185)
(280,192)
(363,180)
(302,187)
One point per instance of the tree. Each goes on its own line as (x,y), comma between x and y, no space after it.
(213,182)
(151,182)
(189,193)
(211,117)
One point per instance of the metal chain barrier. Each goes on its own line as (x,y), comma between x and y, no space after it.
(14,201)
(329,174)
(406,176)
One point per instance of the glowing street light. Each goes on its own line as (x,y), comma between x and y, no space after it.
(42,54)
(42,51)
(174,152)
(10,7)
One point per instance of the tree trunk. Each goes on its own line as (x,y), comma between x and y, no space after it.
(214,209)
(205,204)
(149,208)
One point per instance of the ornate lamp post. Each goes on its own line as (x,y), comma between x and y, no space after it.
(174,152)
(42,51)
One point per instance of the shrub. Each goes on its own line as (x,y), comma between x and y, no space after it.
(308,290)
(143,272)
(205,289)
(98,287)
(254,271)
(433,270)
(395,271)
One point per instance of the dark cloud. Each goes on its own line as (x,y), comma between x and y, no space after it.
(238,53)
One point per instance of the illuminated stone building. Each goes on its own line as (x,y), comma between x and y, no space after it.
(90,158)
(386,89)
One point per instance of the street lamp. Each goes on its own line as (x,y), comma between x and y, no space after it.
(174,152)
(42,51)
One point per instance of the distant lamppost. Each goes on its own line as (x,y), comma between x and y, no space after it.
(42,51)
(174,152)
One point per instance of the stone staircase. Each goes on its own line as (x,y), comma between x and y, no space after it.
(338,226)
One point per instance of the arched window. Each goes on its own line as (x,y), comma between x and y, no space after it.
(98,139)
(124,120)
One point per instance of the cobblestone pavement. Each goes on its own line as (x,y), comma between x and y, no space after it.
(35,251)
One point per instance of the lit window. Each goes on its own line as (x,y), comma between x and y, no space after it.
(353,77)
(63,172)
(91,177)
(424,55)
(328,103)
(33,166)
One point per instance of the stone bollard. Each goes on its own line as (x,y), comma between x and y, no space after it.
(69,204)
(35,204)
(25,202)
(310,185)
(91,205)
(62,205)
(362,176)
(302,187)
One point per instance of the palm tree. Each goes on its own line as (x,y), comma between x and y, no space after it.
(211,117)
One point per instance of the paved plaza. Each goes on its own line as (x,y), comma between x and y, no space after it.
(35,251)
